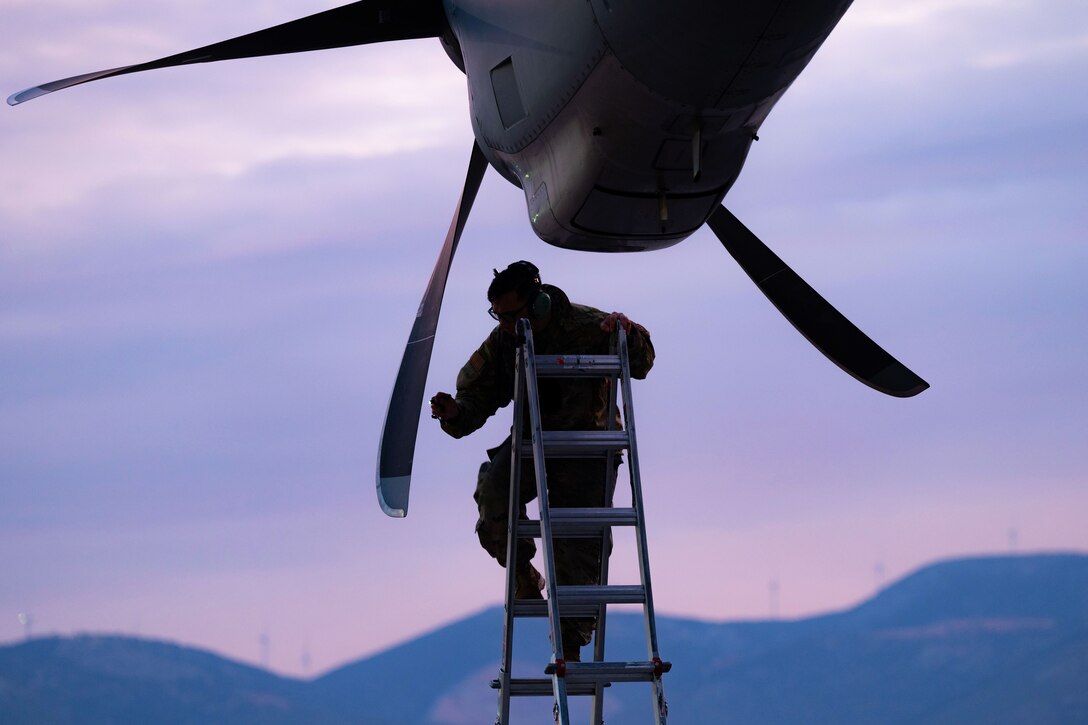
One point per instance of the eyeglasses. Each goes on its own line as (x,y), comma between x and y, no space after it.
(507,316)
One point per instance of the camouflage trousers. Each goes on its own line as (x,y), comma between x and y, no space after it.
(572,482)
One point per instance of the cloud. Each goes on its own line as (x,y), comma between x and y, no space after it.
(922,15)
(1067,49)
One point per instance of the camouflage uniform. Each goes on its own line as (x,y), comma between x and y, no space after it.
(486,383)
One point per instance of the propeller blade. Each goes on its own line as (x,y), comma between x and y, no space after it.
(367,21)
(813,316)
(398,443)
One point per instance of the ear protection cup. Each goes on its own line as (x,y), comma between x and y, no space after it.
(542,305)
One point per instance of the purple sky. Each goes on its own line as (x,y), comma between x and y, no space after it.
(207,276)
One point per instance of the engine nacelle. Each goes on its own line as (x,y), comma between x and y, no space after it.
(625,123)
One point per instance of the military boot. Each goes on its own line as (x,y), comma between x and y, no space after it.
(572,645)
(529,583)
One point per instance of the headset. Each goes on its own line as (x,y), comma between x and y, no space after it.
(541,304)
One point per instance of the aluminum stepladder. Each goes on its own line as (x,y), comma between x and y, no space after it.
(576,678)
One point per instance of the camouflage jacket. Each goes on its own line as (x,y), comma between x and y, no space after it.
(486,382)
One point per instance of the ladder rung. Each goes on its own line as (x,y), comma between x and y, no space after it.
(580,522)
(581,600)
(579,443)
(542,687)
(580,673)
(577,366)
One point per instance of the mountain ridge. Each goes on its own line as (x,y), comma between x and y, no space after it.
(998,639)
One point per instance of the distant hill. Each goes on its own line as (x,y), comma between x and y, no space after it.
(986,640)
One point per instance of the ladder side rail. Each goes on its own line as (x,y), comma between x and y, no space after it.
(659,706)
(513,515)
(559,685)
(606,535)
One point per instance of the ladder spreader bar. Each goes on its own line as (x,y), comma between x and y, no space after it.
(577,366)
(563,443)
(579,672)
(582,601)
(542,687)
(580,522)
